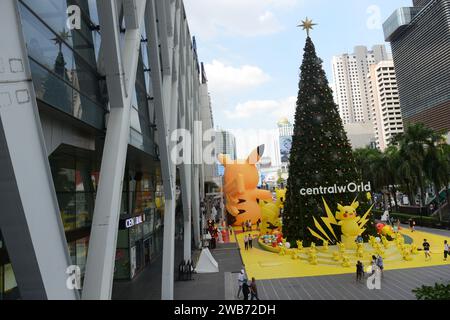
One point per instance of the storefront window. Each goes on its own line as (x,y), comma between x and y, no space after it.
(122,239)
(67,206)
(122,265)
(135,234)
(84,208)
(149,222)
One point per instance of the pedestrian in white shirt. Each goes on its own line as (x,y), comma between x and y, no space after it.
(241,280)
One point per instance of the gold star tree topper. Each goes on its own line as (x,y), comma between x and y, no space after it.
(307,25)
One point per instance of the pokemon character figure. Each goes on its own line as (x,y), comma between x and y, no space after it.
(281,197)
(270,221)
(351,224)
(240,187)
(348,220)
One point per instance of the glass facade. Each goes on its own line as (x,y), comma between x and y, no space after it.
(76,176)
(63,62)
(399,20)
(139,241)
(8,284)
(65,76)
(422,62)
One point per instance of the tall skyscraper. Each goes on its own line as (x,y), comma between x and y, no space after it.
(350,82)
(226,144)
(286,131)
(420,39)
(384,99)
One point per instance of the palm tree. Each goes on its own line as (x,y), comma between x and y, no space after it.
(415,159)
(437,167)
(413,145)
(394,161)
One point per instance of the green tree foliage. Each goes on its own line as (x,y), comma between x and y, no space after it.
(415,159)
(438,292)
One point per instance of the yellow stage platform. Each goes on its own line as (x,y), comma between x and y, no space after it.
(264,265)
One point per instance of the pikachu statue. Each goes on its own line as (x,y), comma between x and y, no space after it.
(345,262)
(325,246)
(299,246)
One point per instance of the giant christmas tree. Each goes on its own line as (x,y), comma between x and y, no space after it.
(321,154)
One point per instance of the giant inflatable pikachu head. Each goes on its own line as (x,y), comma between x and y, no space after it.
(244,168)
(240,187)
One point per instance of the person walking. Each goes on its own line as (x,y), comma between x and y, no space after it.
(253,290)
(243,226)
(245,289)
(246,242)
(446,250)
(359,271)
(250,241)
(374,264)
(412,225)
(426,249)
(380,263)
(241,280)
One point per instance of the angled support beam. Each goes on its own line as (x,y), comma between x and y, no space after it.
(162,91)
(29,216)
(121,68)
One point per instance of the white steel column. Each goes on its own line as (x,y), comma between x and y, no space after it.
(185,177)
(198,150)
(120,67)
(162,78)
(29,216)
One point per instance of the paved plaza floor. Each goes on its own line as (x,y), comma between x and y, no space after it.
(396,284)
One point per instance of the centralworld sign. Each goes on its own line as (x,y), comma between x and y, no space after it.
(352,187)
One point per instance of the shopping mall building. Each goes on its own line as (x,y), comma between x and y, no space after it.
(90,94)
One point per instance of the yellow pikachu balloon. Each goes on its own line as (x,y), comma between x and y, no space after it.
(240,187)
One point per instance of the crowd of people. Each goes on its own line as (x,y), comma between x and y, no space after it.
(248,225)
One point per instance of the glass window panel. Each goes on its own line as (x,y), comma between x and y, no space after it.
(122,239)
(68,210)
(136,233)
(73,252)
(10,280)
(82,251)
(84,209)
(58,94)
(122,265)
(63,171)
(44,46)
(54,13)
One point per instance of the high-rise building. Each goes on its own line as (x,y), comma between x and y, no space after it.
(206,116)
(420,40)
(386,112)
(226,144)
(350,82)
(286,132)
(87,182)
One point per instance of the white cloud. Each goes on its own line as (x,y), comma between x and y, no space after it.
(209,18)
(224,78)
(267,108)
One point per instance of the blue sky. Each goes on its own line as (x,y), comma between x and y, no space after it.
(253,50)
